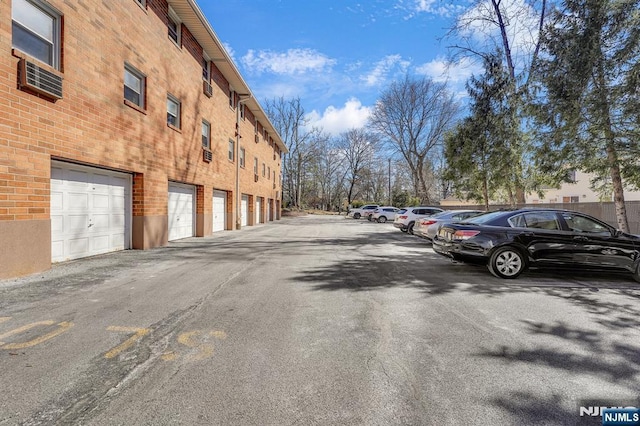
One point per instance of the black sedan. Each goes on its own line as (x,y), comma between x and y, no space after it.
(508,242)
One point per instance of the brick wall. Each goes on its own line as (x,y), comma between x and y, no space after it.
(93,125)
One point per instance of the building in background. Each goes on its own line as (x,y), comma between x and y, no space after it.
(125,125)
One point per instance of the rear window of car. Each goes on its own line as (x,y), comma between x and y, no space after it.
(402,211)
(487,217)
(389,210)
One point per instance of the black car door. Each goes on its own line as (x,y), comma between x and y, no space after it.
(598,245)
(544,237)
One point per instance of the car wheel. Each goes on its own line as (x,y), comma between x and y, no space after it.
(507,262)
(403,230)
(636,275)
(356,216)
(382,219)
(410,228)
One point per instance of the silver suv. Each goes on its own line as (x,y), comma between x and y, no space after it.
(406,217)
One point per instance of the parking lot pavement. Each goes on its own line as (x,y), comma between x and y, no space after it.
(314,320)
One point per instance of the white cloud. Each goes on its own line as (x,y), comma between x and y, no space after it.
(353,115)
(293,61)
(383,68)
(434,7)
(229,50)
(457,73)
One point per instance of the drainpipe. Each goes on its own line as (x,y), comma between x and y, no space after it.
(242,99)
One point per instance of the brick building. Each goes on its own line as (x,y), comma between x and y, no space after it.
(124,124)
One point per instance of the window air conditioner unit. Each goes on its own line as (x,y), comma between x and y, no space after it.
(207,155)
(257,138)
(207,89)
(40,80)
(255,178)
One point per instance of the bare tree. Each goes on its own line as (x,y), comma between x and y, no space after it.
(328,172)
(288,117)
(413,115)
(358,148)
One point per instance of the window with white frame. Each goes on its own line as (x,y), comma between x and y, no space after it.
(36,30)
(232,99)
(242,154)
(206,73)
(206,135)
(142,3)
(173,111)
(134,86)
(173,25)
(232,149)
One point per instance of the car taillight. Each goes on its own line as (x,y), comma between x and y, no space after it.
(403,217)
(428,222)
(464,234)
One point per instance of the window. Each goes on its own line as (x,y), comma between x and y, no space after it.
(571,176)
(255,166)
(268,172)
(584,224)
(36,30)
(142,3)
(173,24)
(242,157)
(173,112)
(571,199)
(538,220)
(232,146)
(274,175)
(232,99)
(206,74)
(242,111)
(206,135)
(134,83)
(264,168)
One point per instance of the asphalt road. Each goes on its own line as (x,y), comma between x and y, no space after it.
(317,320)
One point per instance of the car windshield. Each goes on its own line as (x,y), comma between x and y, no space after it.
(484,217)
(401,211)
(442,214)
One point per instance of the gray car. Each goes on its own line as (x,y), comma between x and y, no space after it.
(428,227)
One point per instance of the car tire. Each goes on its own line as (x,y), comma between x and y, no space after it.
(410,228)
(403,230)
(382,219)
(636,274)
(507,262)
(356,216)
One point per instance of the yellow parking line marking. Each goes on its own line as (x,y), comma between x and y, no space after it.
(139,333)
(205,350)
(62,327)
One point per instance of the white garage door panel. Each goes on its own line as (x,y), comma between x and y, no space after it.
(219,210)
(244,210)
(259,210)
(181,211)
(89,211)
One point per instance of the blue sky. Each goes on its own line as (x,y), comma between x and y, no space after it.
(336,56)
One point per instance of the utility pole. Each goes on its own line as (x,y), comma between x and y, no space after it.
(389,182)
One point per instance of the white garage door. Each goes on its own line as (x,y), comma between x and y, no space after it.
(219,210)
(244,210)
(181,210)
(90,211)
(258,209)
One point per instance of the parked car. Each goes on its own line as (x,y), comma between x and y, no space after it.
(383,214)
(509,242)
(406,217)
(428,227)
(363,211)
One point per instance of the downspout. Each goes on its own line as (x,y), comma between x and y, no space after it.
(242,98)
